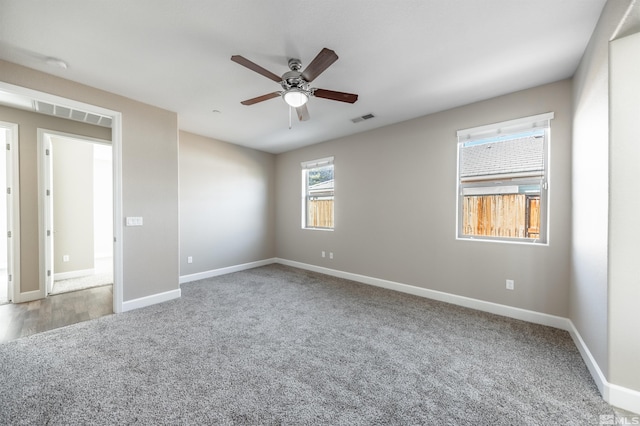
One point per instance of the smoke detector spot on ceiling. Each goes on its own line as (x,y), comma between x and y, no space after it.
(56,63)
(363,118)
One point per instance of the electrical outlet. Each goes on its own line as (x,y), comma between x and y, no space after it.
(190,259)
(330,255)
(510,284)
(324,254)
(65,258)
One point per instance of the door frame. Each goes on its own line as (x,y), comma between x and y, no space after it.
(45,213)
(116,143)
(45,201)
(13,209)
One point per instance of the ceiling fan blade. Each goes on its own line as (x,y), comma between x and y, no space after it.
(261,98)
(335,96)
(255,67)
(325,58)
(303,113)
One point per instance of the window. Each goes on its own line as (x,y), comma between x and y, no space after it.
(317,197)
(502,180)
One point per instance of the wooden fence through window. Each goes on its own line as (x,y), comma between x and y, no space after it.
(504,215)
(320,214)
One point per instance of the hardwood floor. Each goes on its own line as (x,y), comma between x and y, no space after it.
(23,319)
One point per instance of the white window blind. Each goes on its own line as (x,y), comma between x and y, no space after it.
(540,121)
(317,163)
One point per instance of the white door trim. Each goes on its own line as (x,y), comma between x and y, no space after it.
(13,210)
(45,213)
(116,143)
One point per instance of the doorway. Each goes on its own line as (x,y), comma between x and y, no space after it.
(77,204)
(118,226)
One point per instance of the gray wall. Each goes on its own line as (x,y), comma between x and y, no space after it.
(149,181)
(395,211)
(591,294)
(590,189)
(624,205)
(72,205)
(29,123)
(227,204)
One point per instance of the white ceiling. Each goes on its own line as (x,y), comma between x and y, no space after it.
(404,58)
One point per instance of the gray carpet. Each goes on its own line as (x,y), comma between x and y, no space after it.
(277,345)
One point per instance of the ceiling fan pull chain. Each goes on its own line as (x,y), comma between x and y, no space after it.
(290,118)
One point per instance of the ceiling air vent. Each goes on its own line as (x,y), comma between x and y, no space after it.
(78,115)
(63,112)
(44,108)
(93,118)
(362,118)
(73,114)
(105,121)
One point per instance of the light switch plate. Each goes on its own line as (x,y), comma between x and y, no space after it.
(134,221)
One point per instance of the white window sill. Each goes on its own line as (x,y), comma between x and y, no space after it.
(488,240)
(317,229)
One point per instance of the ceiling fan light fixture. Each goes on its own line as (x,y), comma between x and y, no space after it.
(295,97)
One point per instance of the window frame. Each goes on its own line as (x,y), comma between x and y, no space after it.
(306,167)
(506,128)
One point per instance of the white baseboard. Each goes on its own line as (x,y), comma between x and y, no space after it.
(590,361)
(73,274)
(175,294)
(222,271)
(141,302)
(625,398)
(467,302)
(618,396)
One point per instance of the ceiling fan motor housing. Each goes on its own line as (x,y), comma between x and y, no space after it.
(293,80)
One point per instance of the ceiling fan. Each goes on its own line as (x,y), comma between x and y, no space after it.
(296,90)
